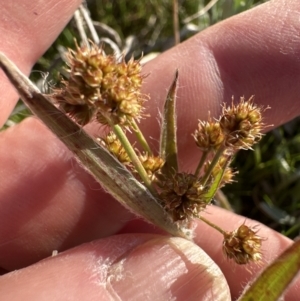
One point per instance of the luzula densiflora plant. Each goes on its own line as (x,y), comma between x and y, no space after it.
(107,89)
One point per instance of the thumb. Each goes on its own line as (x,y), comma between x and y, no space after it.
(122,267)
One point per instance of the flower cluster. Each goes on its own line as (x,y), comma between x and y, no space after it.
(152,164)
(242,245)
(101,86)
(209,135)
(241,124)
(182,195)
(115,147)
(239,127)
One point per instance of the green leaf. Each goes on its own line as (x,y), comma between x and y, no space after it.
(275,279)
(208,196)
(168,140)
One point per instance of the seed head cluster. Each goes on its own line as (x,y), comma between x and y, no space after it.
(209,135)
(115,147)
(242,245)
(152,164)
(182,196)
(100,86)
(241,124)
(239,127)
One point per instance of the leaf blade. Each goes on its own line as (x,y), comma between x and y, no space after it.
(168,139)
(274,280)
(209,195)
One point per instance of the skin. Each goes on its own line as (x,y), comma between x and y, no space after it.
(49,203)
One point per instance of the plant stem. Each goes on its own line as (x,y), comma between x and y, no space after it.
(133,156)
(140,137)
(213,164)
(203,158)
(212,225)
(176,23)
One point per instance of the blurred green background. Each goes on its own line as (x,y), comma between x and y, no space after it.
(266,187)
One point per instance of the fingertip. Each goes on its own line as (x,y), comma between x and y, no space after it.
(168,268)
(124,267)
(48,200)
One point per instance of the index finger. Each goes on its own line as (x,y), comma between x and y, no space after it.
(253,53)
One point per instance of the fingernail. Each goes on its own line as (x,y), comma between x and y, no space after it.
(167,269)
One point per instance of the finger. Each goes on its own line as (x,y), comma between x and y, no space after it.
(29,28)
(47,201)
(254,53)
(123,267)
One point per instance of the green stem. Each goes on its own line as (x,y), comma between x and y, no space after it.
(213,164)
(133,156)
(212,225)
(203,158)
(140,137)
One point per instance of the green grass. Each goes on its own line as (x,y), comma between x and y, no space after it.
(266,187)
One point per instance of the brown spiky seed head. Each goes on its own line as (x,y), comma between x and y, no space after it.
(209,135)
(114,146)
(152,164)
(243,245)
(101,85)
(182,196)
(242,124)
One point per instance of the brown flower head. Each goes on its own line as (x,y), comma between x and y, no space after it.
(241,124)
(208,135)
(114,146)
(100,85)
(243,245)
(152,164)
(182,196)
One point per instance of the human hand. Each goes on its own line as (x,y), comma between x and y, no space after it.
(49,203)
